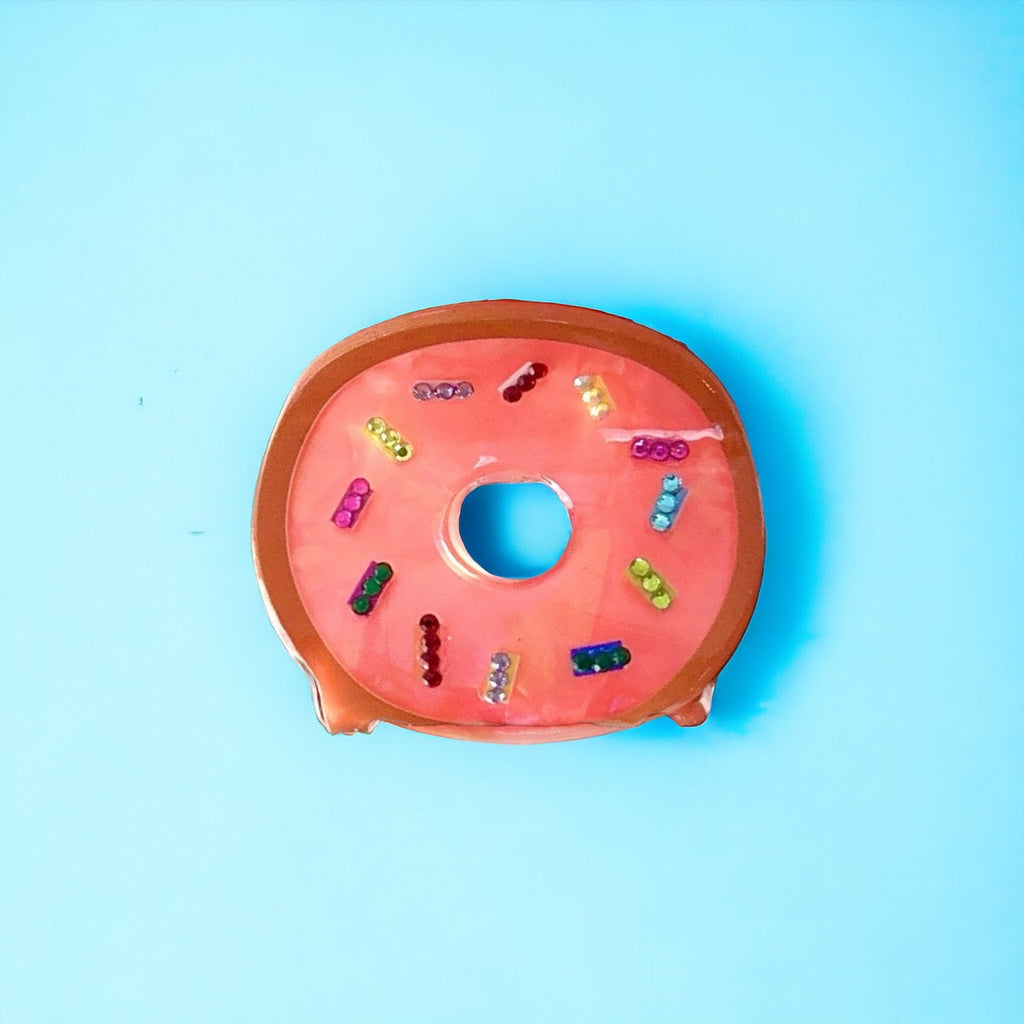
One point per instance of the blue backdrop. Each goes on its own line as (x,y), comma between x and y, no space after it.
(823,201)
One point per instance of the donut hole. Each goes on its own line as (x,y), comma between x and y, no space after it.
(514,530)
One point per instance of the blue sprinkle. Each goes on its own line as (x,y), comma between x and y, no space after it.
(666,503)
(671,483)
(660,522)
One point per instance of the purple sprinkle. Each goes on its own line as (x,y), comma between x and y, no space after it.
(464,389)
(444,390)
(679,450)
(342,518)
(659,451)
(352,502)
(421,391)
(359,486)
(640,447)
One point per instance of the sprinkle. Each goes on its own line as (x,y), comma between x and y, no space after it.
(425,390)
(650,583)
(668,503)
(389,440)
(594,395)
(598,658)
(522,380)
(429,657)
(352,503)
(497,687)
(370,587)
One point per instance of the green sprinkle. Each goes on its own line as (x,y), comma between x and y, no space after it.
(620,657)
(383,572)
(371,587)
(361,605)
(603,660)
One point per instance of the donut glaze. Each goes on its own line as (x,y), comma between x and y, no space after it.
(364,668)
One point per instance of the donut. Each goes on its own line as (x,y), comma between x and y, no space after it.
(370,586)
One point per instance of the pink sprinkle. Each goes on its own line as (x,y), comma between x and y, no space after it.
(359,486)
(352,502)
(679,450)
(342,518)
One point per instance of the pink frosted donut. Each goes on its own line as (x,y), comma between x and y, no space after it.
(370,586)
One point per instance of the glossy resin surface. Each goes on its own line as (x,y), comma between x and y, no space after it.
(679,620)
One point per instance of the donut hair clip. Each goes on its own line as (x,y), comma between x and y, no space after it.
(382,603)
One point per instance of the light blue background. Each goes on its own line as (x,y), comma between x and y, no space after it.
(824,201)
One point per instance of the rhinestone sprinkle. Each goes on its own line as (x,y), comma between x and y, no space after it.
(353,501)
(389,440)
(650,583)
(443,390)
(497,687)
(594,395)
(598,658)
(668,503)
(430,643)
(643,447)
(370,587)
(522,380)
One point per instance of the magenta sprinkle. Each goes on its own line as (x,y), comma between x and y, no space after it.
(659,451)
(679,450)
(356,496)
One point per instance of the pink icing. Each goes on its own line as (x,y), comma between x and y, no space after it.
(412,524)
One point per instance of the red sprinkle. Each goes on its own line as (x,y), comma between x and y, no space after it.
(537,370)
(511,393)
(432,677)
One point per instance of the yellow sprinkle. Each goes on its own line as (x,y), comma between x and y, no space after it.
(661,600)
(639,567)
